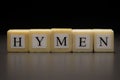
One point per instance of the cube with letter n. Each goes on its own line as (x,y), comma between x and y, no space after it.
(103,40)
(61,40)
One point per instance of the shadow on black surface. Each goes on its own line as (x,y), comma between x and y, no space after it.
(58,66)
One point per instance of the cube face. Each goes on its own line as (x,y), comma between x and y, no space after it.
(17,40)
(39,40)
(103,40)
(61,40)
(82,40)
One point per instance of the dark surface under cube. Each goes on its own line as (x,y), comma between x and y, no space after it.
(59,66)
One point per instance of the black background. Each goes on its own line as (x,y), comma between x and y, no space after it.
(59,66)
(71,14)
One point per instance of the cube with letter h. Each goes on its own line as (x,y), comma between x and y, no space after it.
(103,40)
(17,40)
(82,40)
(39,40)
(61,40)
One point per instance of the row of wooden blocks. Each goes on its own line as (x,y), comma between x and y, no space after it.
(60,40)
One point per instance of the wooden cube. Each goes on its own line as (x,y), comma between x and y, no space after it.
(17,40)
(61,40)
(39,40)
(82,40)
(103,40)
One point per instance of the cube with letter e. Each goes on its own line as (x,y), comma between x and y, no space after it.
(82,40)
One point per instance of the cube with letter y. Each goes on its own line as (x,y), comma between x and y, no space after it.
(39,40)
(61,40)
(103,40)
(17,40)
(82,40)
